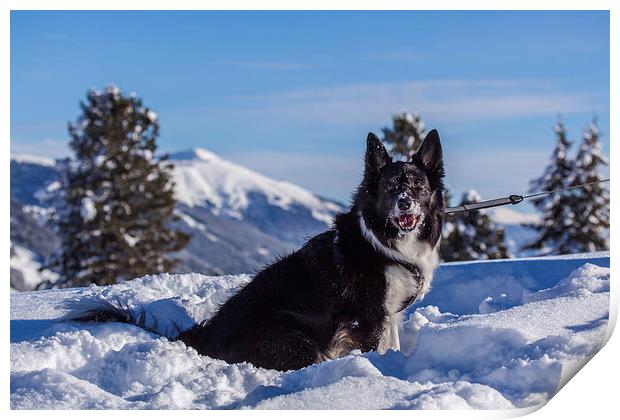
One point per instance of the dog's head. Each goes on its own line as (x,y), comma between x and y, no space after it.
(403,199)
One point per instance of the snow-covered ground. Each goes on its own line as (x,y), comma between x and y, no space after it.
(490,335)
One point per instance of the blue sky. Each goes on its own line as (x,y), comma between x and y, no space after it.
(293,94)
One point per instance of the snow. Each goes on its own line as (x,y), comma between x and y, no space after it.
(471,196)
(33,159)
(130,240)
(88,210)
(28,264)
(544,317)
(201,177)
(49,189)
(40,214)
(508,216)
(99,160)
(194,224)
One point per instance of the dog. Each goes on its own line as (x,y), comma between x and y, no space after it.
(346,288)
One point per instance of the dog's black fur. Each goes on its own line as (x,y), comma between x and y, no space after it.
(331,296)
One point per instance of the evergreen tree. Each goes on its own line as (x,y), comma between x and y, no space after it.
(118,196)
(405,136)
(472,235)
(555,231)
(590,229)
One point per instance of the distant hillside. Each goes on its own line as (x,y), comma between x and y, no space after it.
(239,220)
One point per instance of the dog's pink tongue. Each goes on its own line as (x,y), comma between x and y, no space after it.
(406,221)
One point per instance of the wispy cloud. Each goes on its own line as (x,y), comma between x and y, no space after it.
(37,75)
(265,65)
(57,36)
(456,100)
(396,55)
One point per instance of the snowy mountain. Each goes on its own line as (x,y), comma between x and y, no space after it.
(239,220)
(278,208)
(29,176)
(490,335)
(32,241)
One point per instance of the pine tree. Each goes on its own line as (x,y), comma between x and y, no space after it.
(472,235)
(405,136)
(118,196)
(555,230)
(590,229)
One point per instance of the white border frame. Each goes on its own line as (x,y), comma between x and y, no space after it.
(593,393)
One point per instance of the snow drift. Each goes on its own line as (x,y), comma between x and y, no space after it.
(491,335)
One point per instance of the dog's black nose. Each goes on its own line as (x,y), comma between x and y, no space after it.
(404,203)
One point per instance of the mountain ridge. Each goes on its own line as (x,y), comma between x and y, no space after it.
(239,219)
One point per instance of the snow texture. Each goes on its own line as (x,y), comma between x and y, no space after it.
(542,320)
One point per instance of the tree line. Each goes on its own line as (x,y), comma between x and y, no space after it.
(115,201)
(571,221)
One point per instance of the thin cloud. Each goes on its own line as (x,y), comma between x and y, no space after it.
(456,100)
(265,65)
(402,56)
(58,36)
(37,75)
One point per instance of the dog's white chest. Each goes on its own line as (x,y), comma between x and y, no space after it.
(401,285)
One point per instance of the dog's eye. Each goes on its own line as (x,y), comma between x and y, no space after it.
(418,185)
(391,186)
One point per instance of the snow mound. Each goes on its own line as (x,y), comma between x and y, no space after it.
(203,178)
(513,357)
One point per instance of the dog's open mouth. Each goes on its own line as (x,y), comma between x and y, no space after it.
(407,221)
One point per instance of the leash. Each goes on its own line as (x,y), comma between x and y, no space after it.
(511,199)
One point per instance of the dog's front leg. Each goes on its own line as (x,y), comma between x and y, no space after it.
(389,338)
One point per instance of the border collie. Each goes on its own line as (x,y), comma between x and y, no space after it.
(346,288)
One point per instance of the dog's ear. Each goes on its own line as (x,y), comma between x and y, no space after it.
(376,156)
(429,154)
